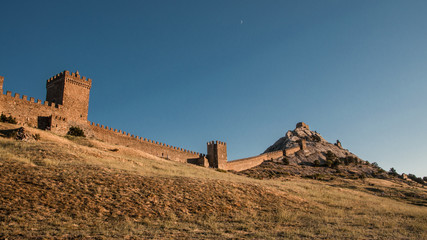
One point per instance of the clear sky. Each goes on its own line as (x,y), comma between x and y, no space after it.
(244,72)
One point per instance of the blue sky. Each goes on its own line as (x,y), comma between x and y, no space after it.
(243,72)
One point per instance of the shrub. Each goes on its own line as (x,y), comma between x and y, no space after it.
(316,163)
(393,172)
(9,119)
(331,156)
(286,161)
(316,138)
(416,179)
(76,131)
(36,136)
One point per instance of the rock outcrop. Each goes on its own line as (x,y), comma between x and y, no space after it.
(315,147)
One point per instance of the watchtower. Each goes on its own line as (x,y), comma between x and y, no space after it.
(72,91)
(1,84)
(217,154)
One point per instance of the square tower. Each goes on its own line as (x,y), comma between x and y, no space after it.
(72,92)
(217,154)
(1,84)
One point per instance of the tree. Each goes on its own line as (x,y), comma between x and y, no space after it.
(393,172)
(76,131)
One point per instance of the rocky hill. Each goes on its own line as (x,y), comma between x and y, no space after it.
(317,147)
(309,154)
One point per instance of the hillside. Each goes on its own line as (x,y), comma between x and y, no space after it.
(81,188)
(317,159)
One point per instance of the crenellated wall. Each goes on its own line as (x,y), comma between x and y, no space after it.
(246,163)
(152,147)
(72,91)
(66,105)
(28,111)
(217,154)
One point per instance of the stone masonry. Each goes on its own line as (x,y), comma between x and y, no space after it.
(67,104)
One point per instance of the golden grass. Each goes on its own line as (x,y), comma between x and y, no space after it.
(82,188)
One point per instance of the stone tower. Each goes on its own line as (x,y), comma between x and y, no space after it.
(1,84)
(217,154)
(72,92)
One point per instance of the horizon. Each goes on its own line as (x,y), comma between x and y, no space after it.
(241,72)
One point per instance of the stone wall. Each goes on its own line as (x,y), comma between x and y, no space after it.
(246,163)
(1,84)
(28,112)
(114,136)
(291,151)
(217,154)
(72,91)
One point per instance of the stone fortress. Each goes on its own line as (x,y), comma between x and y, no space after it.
(67,104)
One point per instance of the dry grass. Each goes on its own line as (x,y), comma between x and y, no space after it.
(78,188)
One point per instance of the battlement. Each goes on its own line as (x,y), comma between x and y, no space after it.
(32,100)
(73,78)
(67,103)
(146,140)
(216,142)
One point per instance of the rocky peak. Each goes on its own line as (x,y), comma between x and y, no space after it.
(292,138)
(316,146)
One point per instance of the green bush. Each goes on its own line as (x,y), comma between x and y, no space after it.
(393,172)
(9,119)
(76,131)
(316,163)
(416,179)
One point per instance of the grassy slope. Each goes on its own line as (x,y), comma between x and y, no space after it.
(78,188)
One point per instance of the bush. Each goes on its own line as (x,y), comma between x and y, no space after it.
(316,138)
(286,161)
(36,136)
(416,179)
(9,119)
(331,156)
(316,163)
(393,172)
(76,131)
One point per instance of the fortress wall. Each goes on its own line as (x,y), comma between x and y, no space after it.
(291,151)
(246,163)
(27,111)
(162,150)
(275,154)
